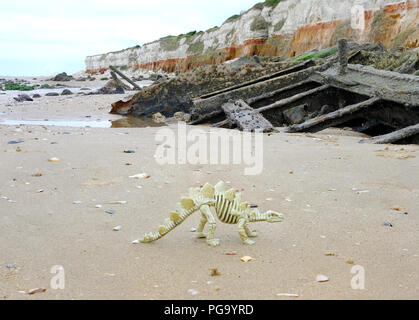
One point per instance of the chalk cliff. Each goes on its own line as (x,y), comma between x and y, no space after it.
(287,29)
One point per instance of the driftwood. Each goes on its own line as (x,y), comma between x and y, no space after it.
(292,69)
(394,136)
(292,99)
(222,124)
(335,118)
(245,117)
(275,92)
(119,73)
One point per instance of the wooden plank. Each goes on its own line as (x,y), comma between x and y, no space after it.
(334,118)
(245,117)
(394,136)
(292,69)
(119,73)
(292,99)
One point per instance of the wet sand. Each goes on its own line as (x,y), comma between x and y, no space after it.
(334,192)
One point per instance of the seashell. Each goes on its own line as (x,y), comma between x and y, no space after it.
(232,253)
(37,290)
(140,176)
(192,292)
(54,160)
(162,229)
(289,295)
(322,278)
(246,259)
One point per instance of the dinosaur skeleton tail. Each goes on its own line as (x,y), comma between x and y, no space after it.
(176,219)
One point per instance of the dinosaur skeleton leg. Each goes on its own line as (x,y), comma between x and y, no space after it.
(206,211)
(200,230)
(249,232)
(242,232)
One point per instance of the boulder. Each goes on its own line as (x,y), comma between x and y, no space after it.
(62,77)
(52,94)
(22,98)
(66,92)
(111,88)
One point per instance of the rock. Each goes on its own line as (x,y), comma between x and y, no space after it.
(52,94)
(158,118)
(118,228)
(22,98)
(181,116)
(36,96)
(110,211)
(62,77)
(66,92)
(295,115)
(111,87)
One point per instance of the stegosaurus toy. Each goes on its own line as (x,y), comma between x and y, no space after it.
(229,209)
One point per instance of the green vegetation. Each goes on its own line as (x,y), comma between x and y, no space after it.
(46,86)
(267,3)
(259,24)
(170,43)
(317,55)
(279,25)
(196,47)
(232,18)
(17,86)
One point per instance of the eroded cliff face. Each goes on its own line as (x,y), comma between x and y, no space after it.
(288,29)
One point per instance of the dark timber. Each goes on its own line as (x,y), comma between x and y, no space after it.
(119,73)
(394,136)
(332,119)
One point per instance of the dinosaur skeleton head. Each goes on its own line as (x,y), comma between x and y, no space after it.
(274,217)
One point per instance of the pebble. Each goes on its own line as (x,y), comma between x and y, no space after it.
(118,228)
(77,202)
(193,229)
(9,266)
(54,160)
(98,206)
(192,292)
(129,151)
(110,211)
(136,242)
(37,290)
(16,141)
(387,224)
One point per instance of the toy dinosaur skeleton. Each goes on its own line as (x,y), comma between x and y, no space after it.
(229,209)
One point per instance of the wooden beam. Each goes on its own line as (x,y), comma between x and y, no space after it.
(119,73)
(275,92)
(394,136)
(294,98)
(334,118)
(292,69)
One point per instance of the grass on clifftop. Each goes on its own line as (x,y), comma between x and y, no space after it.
(267,3)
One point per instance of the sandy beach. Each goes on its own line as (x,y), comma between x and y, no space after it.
(334,192)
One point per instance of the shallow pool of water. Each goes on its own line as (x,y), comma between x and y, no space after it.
(128,122)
